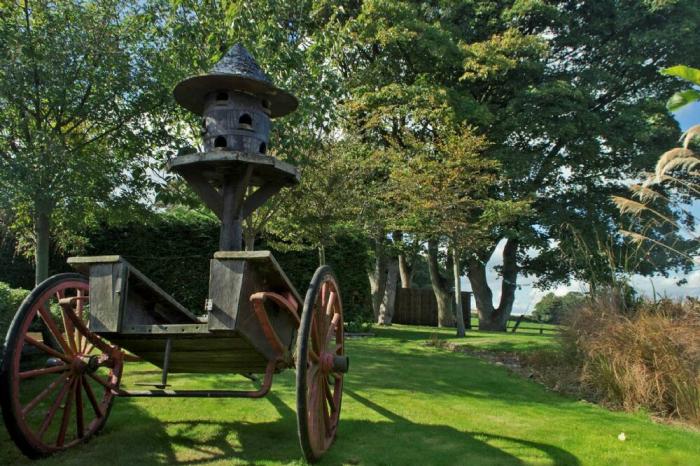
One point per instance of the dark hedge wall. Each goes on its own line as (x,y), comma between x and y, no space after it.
(174,252)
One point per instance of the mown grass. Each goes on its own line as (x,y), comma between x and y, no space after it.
(404,404)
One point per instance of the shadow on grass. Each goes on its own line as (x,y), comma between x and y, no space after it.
(144,439)
(395,441)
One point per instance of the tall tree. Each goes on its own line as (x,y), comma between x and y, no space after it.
(78,106)
(574,101)
(566,92)
(445,189)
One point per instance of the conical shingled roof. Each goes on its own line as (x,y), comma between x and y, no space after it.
(239,62)
(238,71)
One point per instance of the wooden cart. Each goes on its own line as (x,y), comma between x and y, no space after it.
(57,391)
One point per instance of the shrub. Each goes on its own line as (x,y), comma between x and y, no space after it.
(358,326)
(10,299)
(174,249)
(648,358)
(552,309)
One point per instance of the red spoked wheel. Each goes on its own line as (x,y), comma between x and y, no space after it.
(53,399)
(321,364)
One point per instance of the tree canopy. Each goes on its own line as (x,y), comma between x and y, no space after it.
(454,124)
(76,84)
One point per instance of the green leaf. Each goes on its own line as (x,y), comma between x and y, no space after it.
(681,99)
(683,72)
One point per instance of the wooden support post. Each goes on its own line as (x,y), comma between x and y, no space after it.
(233,190)
(166,363)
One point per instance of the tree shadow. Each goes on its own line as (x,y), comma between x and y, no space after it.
(134,436)
(394,440)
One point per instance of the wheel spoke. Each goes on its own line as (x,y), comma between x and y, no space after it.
(332,329)
(88,347)
(91,397)
(324,408)
(79,418)
(70,329)
(331,303)
(101,381)
(315,413)
(54,407)
(318,334)
(94,339)
(43,394)
(53,328)
(43,371)
(60,439)
(313,356)
(313,334)
(329,394)
(324,287)
(46,349)
(79,304)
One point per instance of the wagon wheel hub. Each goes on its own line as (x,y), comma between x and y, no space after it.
(88,364)
(333,363)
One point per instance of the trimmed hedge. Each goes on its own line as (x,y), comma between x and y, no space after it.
(174,251)
(10,299)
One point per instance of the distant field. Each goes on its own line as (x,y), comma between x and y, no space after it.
(405,404)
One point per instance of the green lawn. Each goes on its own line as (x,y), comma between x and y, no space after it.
(404,404)
(527,339)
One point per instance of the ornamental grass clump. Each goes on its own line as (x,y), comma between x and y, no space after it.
(643,358)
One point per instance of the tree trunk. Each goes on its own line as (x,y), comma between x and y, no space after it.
(459,316)
(405,271)
(42,228)
(490,317)
(321,255)
(249,238)
(442,296)
(404,267)
(386,309)
(377,276)
(510,280)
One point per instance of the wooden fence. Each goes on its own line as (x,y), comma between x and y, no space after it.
(418,306)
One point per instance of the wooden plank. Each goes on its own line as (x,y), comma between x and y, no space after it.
(209,344)
(160,292)
(104,311)
(128,297)
(212,166)
(169,329)
(273,267)
(82,263)
(225,282)
(195,352)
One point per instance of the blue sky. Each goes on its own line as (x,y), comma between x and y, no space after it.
(527,296)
